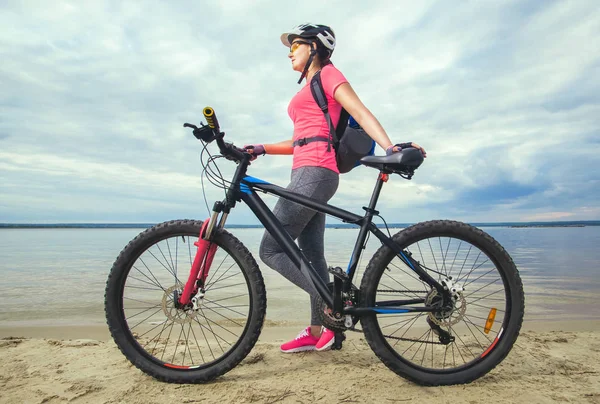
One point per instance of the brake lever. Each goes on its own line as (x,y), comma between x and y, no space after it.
(189,125)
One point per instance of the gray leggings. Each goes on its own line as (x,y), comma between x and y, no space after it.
(304,224)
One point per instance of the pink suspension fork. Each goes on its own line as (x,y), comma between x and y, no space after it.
(201,265)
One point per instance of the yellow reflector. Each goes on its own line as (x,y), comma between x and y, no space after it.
(490,320)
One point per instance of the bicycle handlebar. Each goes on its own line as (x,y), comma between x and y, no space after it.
(211,118)
(213,132)
(231,152)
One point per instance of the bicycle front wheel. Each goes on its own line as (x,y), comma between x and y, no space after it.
(446,346)
(184,344)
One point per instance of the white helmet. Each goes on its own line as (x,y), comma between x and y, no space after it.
(322,33)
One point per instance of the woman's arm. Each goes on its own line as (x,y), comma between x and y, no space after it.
(346,96)
(283,147)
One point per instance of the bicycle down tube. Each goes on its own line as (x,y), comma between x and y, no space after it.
(248,194)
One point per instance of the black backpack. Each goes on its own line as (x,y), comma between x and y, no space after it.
(351,143)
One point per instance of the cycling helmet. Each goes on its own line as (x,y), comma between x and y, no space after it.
(321,35)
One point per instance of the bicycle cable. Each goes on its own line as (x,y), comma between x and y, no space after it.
(204,192)
(202,179)
(364,247)
(385,223)
(216,178)
(421,265)
(208,169)
(211,171)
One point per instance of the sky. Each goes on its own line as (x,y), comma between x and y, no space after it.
(504,96)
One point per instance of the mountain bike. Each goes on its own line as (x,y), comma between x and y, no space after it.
(440,302)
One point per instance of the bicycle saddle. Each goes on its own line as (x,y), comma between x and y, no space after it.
(406,161)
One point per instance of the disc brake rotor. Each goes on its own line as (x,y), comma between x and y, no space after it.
(446,318)
(178,316)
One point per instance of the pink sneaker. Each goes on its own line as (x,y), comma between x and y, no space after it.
(303,342)
(326,341)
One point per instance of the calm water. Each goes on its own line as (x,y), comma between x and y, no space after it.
(57,276)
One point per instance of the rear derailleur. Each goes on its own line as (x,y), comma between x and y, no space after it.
(443,335)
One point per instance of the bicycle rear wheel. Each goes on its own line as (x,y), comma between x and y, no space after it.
(184,345)
(479,330)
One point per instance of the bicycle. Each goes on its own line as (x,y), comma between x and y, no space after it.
(440,302)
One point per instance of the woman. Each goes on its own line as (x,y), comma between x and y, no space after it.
(314,170)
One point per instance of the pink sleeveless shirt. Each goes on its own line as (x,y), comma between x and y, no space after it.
(310,121)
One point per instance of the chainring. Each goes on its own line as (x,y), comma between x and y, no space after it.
(328,320)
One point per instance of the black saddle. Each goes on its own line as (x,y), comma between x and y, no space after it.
(404,162)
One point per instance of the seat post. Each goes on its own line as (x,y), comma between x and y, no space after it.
(378,185)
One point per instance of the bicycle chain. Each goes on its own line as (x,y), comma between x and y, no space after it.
(399,338)
(413,340)
(396,291)
(401,291)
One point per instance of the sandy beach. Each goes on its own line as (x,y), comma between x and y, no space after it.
(55,346)
(552,362)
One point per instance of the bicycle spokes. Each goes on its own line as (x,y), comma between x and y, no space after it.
(462,327)
(185,336)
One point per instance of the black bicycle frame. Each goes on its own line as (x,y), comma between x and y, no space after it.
(244,188)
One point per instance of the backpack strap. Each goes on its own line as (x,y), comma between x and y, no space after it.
(306,140)
(316,88)
(342,124)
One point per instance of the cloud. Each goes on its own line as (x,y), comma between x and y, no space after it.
(504,96)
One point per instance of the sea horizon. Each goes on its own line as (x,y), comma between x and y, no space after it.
(126,225)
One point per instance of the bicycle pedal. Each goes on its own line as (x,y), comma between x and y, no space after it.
(337,342)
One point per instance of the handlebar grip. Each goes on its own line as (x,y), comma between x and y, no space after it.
(211,118)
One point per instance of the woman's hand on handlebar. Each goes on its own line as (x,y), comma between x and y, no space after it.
(399,146)
(255,150)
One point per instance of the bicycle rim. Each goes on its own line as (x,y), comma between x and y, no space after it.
(488,289)
(184,339)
